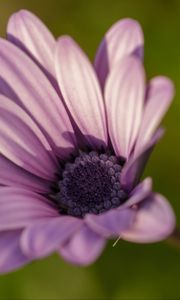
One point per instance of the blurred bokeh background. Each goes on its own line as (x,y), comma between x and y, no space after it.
(127,271)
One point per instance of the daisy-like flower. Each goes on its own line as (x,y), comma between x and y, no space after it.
(74,140)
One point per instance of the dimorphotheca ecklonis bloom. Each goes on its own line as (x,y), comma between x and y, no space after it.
(74,140)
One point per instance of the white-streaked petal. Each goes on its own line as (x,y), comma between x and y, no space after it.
(20,208)
(23,143)
(13,175)
(29,33)
(81,91)
(22,81)
(124,96)
(155,221)
(159,97)
(123,38)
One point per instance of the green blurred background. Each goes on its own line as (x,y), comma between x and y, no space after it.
(127,271)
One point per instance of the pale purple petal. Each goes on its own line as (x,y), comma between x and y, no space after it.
(12,175)
(19,208)
(25,83)
(123,38)
(159,97)
(43,237)
(11,256)
(112,223)
(83,248)
(134,168)
(140,192)
(81,91)
(155,221)
(23,143)
(124,95)
(29,33)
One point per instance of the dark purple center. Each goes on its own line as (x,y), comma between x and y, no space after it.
(91,184)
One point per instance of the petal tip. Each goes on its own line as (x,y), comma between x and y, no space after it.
(155,221)
(164,82)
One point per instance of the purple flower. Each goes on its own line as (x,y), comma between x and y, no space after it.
(74,140)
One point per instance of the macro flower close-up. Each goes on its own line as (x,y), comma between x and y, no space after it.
(75,137)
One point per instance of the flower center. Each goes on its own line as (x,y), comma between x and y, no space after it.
(91,184)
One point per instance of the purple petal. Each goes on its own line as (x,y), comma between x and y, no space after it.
(19,208)
(111,223)
(123,38)
(160,94)
(12,175)
(29,33)
(11,256)
(83,248)
(43,237)
(81,91)
(140,192)
(23,143)
(155,221)
(124,93)
(134,168)
(22,81)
